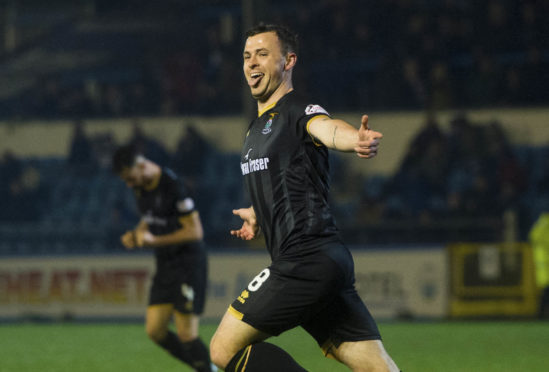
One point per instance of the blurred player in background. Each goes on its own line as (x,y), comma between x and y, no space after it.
(310,282)
(171,226)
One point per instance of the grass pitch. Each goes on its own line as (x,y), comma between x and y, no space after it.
(415,346)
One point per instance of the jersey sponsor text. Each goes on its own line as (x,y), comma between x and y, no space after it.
(254,165)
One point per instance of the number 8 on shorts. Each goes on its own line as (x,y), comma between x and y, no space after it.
(258,280)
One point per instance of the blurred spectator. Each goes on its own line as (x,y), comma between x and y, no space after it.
(150,148)
(536,80)
(440,87)
(27,197)
(182,72)
(192,153)
(512,87)
(420,181)
(483,81)
(114,102)
(10,171)
(81,156)
(542,183)
(509,177)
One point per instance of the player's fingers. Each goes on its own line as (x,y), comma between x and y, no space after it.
(241,212)
(125,237)
(367,146)
(364,123)
(366,156)
(139,238)
(366,151)
(368,143)
(376,135)
(370,135)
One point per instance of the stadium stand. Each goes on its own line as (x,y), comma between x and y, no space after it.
(101,59)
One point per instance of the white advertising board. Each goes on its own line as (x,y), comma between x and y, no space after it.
(392,283)
(403,283)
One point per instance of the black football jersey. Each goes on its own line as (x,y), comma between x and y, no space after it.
(287,176)
(162,207)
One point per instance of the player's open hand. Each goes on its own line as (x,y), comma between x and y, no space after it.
(250,228)
(368,140)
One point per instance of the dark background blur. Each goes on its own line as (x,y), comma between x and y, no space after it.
(81,61)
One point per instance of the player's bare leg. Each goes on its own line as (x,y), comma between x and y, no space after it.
(364,356)
(186,325)
(237,346)
(231,336)
(157,320)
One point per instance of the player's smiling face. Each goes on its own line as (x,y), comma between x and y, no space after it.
(263,65)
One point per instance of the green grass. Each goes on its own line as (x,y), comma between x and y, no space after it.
(415,346)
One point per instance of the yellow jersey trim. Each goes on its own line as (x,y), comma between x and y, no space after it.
(237,314)
(309,123)
(247,355)
(259,113)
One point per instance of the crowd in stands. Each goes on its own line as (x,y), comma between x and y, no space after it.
(466,172)
(370,54)
(471,171)
(355,56)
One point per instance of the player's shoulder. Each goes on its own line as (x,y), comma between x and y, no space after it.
(169,178)
(304,106)
(169,174)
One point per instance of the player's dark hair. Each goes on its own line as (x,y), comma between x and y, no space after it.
(124,157)
(288,39)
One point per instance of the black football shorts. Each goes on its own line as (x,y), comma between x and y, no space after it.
(181,281)
(316,292)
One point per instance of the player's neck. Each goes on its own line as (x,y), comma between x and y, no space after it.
(283,89)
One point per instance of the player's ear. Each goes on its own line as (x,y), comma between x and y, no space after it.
(291,59)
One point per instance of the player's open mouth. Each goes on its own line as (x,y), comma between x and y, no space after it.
(255,78)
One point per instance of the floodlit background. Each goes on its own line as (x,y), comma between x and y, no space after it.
(439,222)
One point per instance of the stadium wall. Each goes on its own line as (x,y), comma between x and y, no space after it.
(394,282)
(53,138)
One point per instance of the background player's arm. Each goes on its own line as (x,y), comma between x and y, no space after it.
(339,135)
(134,238)
(250,228)
(190,231)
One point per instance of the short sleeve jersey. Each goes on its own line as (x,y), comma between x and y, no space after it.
(287,176)
(163,206)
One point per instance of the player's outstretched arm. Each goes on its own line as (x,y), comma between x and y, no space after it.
(339,135)
(250,228)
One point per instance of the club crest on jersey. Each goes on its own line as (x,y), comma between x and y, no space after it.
(315,109)
(267,129)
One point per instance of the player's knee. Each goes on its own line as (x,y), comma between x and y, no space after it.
(218,354)
(186,335)
(156,334)
(376,365)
